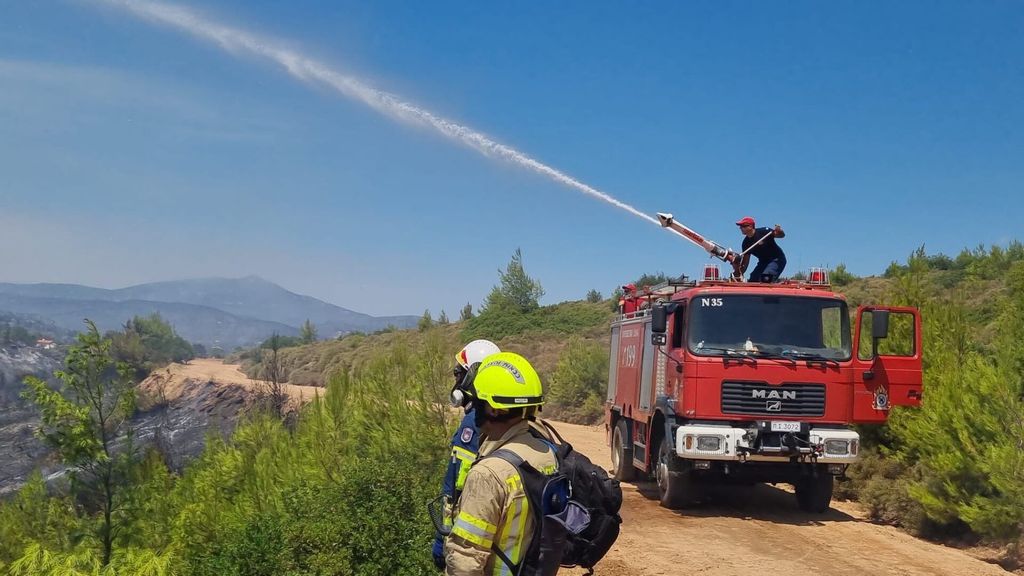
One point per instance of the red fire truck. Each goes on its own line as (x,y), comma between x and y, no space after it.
(731,382)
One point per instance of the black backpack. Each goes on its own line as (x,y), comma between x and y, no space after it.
(578,506)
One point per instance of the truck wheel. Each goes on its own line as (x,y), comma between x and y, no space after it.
(622,453)
(814,493)
(674,484)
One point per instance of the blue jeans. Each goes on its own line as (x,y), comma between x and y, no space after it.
(768,270)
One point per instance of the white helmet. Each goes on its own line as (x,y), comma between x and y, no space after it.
(472,353)
(475,352)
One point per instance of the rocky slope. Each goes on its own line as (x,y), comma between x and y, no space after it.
(20,451)
(178,406)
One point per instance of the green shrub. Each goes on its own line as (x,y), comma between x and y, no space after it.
(365,524)
(576,390)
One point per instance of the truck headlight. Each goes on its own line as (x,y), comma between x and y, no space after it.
(837,447)
(709,443)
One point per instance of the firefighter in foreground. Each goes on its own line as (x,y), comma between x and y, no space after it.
(492,512)
(760,242)
(466,439)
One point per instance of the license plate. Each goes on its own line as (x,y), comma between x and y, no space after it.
(785,426)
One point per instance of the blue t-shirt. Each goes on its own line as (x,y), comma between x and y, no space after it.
(765,251)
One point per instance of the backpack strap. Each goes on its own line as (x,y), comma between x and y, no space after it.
(552,431)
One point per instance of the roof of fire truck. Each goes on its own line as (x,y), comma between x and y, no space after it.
(684,288)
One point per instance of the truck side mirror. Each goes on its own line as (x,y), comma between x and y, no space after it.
(879,329)
(659,320)
(879,323)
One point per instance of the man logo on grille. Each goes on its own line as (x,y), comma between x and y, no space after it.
(773,405)
(773,394)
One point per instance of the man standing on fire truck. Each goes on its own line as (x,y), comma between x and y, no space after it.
(760,242)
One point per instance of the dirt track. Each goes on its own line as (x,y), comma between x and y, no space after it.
(760,531)
(177,377)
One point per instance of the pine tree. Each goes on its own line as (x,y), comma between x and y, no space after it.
(517,290)
(426,321)
(308,333)
(84,421)
(467,312)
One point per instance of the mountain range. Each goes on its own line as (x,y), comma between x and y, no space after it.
(225,312)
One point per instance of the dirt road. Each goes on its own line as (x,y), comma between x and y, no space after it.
(760,531)
(176,378)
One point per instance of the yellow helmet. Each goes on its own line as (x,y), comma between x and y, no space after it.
(506,380)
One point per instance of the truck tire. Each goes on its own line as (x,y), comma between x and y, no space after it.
(814,493)
(622,453)
(675,488)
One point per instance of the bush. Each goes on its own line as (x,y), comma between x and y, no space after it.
(841,276)
(576,390)
(882,485)
(367,524)
(148,343)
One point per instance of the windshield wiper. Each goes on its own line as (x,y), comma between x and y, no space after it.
(774,356)
(731,354)
(810,357)
(729,351)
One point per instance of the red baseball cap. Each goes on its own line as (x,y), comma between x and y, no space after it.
(629,287)
(745,221)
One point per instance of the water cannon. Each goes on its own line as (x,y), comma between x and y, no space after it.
(716,250)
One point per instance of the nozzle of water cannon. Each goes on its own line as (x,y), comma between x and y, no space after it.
(665,219)
(721,253)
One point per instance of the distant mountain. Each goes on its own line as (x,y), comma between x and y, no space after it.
(224,311)
(200,324)
(255,297)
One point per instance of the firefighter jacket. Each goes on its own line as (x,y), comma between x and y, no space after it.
(493,508)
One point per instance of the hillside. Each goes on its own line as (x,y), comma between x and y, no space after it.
(542,339)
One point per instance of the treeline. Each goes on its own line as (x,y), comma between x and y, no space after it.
(341,490)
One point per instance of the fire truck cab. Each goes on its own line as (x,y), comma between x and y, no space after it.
(732,382)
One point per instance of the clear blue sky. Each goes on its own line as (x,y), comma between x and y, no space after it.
(131,151)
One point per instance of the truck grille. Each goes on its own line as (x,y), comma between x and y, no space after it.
(763,400)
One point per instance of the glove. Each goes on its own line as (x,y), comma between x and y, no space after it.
(438,553)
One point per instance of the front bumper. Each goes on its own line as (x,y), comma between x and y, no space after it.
(759,444)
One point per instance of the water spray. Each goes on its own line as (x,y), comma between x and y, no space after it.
(307,69)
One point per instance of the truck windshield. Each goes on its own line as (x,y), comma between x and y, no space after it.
(792,326)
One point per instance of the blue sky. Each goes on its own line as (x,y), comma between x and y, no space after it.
(132,151)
